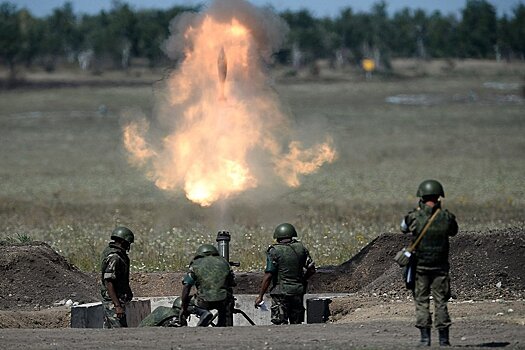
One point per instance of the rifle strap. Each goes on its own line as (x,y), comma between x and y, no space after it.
(414,245)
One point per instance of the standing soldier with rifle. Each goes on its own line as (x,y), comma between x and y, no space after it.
(431,259)
(212,276)
(288,267)
(115,289)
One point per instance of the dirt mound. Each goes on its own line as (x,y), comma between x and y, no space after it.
(34,276)
(483,265)
(363,268)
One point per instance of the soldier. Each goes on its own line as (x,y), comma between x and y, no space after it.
(288,267)
(213,278)
(164,316)
(115,289)
(431,259)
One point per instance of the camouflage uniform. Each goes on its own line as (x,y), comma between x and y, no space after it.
(286,261)
(214,279)
(432,265)
(163,316)
(115,267)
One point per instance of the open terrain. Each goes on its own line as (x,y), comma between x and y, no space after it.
(65,180)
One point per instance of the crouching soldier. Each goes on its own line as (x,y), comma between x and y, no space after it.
(164,316)
(115,289)
(288,268)
(213,278)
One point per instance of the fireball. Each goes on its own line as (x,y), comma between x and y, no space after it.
(219,110)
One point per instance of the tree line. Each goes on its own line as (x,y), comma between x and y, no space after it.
(121,34)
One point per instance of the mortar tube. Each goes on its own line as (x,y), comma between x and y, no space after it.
(223,244)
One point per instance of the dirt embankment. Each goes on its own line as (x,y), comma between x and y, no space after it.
(34,276)
(484,265)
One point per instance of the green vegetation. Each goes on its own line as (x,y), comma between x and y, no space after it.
(123,35)
(17,239)
(65,179)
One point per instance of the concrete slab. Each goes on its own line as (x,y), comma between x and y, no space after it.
(87,316)
(245,303)
(137,310)
(92,315)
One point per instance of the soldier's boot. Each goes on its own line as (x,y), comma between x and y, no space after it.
(444,337)
(425,337)
(205,317)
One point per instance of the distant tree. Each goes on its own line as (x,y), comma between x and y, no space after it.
(442,35)
(152,30)
(32,36)
(404,38)
(305,33)
(380,36)
(504,40)
(348,27)
(10,38)
(331,40)
(517,30)
(478,29)
(62,38)
(122,31)
(95,32)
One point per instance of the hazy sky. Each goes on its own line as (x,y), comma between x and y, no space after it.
(317,7)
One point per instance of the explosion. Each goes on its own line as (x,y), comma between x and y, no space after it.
(220,113)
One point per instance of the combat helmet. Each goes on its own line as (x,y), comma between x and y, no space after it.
(123,233)
(177,303)
(284,231)
(430,188)
(206,250)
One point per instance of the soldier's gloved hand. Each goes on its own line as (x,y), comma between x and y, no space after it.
(119,311)
(258,301)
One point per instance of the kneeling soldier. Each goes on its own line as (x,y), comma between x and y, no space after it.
(211,274)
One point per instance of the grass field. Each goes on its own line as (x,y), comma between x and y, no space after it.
(64,177)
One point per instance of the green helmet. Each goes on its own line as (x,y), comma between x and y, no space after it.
(177,303)
(123,233)
(284,231)
(430,188)
(206,250)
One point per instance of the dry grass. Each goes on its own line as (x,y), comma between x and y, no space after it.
(64,176)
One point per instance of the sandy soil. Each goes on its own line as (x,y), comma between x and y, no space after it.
(374,324)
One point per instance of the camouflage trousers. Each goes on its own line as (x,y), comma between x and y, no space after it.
(436,282)
(287,309)
(110,317)
(223,308)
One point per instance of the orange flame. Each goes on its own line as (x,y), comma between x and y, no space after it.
(219,111)
(136,144)
(298,162)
